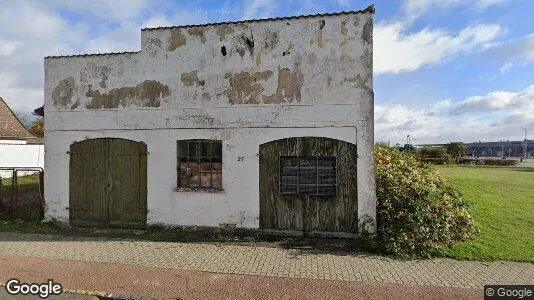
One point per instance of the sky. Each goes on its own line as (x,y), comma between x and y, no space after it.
(444,70)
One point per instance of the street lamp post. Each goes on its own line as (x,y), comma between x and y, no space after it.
(525,148)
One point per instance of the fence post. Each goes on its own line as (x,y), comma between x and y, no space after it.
(41,192)
(14,188)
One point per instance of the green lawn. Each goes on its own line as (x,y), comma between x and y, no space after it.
(501,201)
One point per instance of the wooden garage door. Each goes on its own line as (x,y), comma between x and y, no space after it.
(336,212)
(107,183)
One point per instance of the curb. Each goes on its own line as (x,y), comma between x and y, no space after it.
(80,292)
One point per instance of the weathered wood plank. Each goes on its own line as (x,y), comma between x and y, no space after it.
(309,213)
(108,182)
(88,167)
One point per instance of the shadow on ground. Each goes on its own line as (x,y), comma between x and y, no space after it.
(296,245)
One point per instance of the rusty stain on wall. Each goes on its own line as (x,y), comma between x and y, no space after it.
(320,41)
(288,49)
(223,30)
(104,75)
(244,87)
(146,94)
(328,80)
(367,32)
(154,41)
(344,32)
(197,31)
(358,82)
(190,78)
(249,42)
(201,120)
(367,59)
(176,40)
(62,94)
(271,40)
(289,86)
(92,70)
(269,43)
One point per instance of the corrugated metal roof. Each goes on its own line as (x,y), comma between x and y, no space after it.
(93,54)
(11,127)
(370,9)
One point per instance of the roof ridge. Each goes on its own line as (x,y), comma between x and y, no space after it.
(93,54)
(2,101)
(370,9)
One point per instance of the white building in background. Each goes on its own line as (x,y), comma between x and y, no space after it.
(257,124)
(18,147)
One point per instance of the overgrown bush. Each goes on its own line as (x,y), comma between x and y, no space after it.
(436,160)
(434,156)
(417,211)
(488,161)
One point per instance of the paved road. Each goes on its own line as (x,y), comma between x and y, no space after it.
(124,265)
(165,283)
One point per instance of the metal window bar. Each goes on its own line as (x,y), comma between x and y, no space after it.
(201,152)
(302,176)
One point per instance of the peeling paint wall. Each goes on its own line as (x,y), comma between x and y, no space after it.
(244,83)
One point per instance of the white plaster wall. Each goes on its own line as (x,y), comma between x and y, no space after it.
(13,155)
(329,62)
(238,203)
(13,142)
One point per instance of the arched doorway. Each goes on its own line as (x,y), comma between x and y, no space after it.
(308,185)
(108,183)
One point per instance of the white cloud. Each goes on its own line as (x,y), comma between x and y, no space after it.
(521,49)
(115,10)
(8,47)
(258,9)
(520,102)
(397,50)
(124,38)
(415,8)
(30,31)
(494,116)
(506,67)
(156,21)
(482,4)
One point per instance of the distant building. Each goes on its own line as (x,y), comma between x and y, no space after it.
(501,149)
(11,129)
(495,149)
(18,147)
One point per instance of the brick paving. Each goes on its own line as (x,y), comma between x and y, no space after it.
(266,261)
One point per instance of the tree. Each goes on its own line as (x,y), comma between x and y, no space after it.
(37,127)
(433,152)
(457,149)
(382,144)
(33,125)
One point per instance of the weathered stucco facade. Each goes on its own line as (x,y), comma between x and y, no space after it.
(244,83)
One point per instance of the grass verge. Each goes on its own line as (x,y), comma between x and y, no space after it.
(501,201)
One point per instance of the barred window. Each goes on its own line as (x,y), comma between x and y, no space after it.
(199,164)
(311,175)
